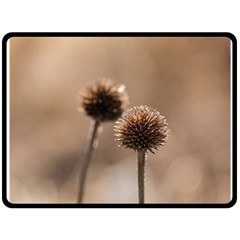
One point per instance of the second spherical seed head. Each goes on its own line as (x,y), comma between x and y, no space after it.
(104,101)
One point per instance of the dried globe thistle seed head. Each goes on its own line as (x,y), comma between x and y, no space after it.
(104,101)
(141,128)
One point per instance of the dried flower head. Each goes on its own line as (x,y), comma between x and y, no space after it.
(104,101)
(141,128)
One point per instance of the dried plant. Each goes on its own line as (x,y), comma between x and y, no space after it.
(142,129)
(102,101)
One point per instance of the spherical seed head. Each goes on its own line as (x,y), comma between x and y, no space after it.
(142,128)
(104,101)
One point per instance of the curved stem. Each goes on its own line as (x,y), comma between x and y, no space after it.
(141,174)
(92,145)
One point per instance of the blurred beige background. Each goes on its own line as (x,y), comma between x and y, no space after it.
(186,79)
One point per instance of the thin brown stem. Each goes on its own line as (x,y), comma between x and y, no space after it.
(92,145)
(141,174)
